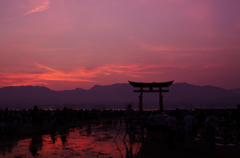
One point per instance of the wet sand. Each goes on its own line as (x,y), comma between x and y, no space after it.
(88,139)
(43,141)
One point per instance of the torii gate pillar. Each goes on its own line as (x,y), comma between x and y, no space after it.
(160,101)
(150,86)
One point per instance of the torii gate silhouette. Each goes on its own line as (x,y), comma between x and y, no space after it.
(159,85)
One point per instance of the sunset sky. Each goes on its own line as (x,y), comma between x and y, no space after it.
(65,44)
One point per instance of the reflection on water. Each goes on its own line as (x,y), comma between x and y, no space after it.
(36,144)
(92,140)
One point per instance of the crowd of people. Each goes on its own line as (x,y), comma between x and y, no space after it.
(185,125)
(174,125)
(11,120)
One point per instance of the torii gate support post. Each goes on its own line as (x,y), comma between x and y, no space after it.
(140,99)
(160,99)
(140,103)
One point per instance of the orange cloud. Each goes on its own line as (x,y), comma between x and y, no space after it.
(41,78)
(40,8)
(44,74)
(25,83)
(9,80)
(80,74)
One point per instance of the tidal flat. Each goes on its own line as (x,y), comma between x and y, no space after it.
(91,140)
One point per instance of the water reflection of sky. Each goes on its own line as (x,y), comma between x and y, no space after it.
(88,141)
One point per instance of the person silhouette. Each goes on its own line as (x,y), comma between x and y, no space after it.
(211,124)
(189,125)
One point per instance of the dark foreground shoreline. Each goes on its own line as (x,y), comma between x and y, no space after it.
(159,149)
(149,148)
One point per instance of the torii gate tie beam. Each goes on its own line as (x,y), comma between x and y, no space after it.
(158,85)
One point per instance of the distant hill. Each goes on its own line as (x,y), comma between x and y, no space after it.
(192,96)
(186,91)
(181,95)
(235,91)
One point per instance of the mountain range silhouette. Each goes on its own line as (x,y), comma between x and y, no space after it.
(180,95)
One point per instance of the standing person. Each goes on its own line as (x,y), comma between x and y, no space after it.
(152,125)
(129,117)
(161,124)
(190,124)
(237,124)
(211,124)
(172,126)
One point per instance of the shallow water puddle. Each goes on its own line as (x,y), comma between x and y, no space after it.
(88,141)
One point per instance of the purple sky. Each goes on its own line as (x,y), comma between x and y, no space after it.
(65,44)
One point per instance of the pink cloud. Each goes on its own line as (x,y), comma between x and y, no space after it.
(211,65)
(135,76)
(160,48)
(238,24)
(33,47)
(45,67)
(199,11)
(40,8)
(132,70)
(136,70)
(206,66)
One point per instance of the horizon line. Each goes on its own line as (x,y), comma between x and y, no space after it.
(107,85)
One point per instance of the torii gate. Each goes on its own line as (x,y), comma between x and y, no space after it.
(151,86)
